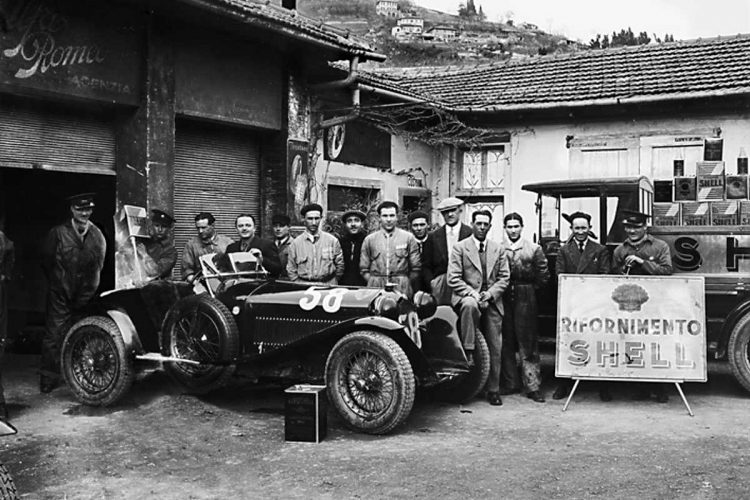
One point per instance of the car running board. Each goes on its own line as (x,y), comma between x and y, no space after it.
(154,356)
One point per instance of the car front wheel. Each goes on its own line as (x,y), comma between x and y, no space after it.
(95,363)
(370,382)
(739,351)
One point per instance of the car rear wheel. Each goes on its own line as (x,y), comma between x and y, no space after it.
(466,387)
(200,328)
(739,351)
(95,362)
(370,382)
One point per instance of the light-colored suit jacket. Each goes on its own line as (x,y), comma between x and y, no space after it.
(465,271)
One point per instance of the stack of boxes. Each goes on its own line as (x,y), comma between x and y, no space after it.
(711,198)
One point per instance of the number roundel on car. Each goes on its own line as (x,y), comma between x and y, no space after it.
(329,299)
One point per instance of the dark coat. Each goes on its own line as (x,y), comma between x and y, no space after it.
(435,252)
(271,261)
(351,247)
(595,259)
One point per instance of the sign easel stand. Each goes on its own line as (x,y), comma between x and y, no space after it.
(676,384)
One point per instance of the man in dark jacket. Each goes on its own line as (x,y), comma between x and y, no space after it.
(282,240)
(351,246)
(159,247)
(419,226)
(73,257)
(437,249)
(581,255)
(245,224)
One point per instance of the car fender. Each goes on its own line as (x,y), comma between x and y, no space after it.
(127,330)
(380,323)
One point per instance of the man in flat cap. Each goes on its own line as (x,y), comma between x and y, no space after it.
(249,241)
(642,254)
(419,226)
(437,249)
(315,256)
(528,273)
(581,255)
(282,240)
(205,242)
(159,248)
(72,258)
(390,255)
(351,239)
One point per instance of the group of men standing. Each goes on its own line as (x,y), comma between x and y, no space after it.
(490,284)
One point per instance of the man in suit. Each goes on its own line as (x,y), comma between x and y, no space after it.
(478,274)
(245,224)
(437,249)
(581,255)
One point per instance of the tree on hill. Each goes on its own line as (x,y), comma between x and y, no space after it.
(624,38)
(469,11)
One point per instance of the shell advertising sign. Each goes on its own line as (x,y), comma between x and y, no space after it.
(631,328)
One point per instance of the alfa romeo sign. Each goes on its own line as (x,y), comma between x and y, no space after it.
(631,327)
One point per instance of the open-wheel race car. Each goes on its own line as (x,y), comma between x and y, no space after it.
(371,347)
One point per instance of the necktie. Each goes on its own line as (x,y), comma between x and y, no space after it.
(481,246)
(483,261)
(580,246)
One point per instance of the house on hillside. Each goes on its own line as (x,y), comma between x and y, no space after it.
(411,25)
(387,8)
(614,112)
(441,33)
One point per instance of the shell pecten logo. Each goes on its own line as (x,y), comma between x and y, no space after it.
(630,297)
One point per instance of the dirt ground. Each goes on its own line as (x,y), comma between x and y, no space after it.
(161,443)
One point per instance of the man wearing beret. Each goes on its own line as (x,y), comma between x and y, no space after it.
(642,254)
(72,258)
(390,255)
(282,240)
(581,255)
(351,245)
(438,247)
(315,256)
(205,242)
(419,225)
(161,252)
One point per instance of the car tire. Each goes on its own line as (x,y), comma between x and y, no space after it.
(219,341)
(738,351)
(466,387)
(8,489)
(370,382)
(95,362)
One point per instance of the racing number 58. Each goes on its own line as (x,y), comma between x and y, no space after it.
(330,299)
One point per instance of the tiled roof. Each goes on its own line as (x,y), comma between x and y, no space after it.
(679,70)
(294,24)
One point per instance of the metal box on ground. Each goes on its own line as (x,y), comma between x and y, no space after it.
(696,214)
(667,214)
(305,410)
(725,213)
(684,189)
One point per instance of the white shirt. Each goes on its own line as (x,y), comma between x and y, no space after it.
(451,236)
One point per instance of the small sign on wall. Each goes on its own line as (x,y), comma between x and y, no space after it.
(360,143)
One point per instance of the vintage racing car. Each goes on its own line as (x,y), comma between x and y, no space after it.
(371,347)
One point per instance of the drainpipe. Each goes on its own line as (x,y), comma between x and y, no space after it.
(346,82)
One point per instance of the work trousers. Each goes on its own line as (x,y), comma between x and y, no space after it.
(521,338)
(59,313)
(491,321)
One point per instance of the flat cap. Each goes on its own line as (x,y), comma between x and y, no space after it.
(634,218)
(310,207)
(82,200)
(161,217)
(449,203)
(417,214)
(354,213)
(281,219)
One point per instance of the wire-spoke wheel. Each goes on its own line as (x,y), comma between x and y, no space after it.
(95,363)
(738,351)
(370,382)
(200,328)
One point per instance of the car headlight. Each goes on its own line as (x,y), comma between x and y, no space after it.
(426,304)
(385,305)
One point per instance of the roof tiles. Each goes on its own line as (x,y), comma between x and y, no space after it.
(649,72)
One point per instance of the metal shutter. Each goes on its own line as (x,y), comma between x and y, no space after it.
(217,170)
(56,136)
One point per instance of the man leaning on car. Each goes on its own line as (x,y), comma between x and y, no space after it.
(315,256)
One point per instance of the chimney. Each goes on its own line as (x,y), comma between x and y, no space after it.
(289,4)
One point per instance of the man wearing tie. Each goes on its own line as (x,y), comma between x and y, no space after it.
(478,274)
(581,255)
(437,249)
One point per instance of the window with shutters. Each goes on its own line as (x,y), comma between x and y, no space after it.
(482,171)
